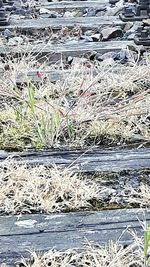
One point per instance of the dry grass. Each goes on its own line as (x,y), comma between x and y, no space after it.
(111,107)
(17,68)
(41,189)
(112,255)
(139,196)
(26,189)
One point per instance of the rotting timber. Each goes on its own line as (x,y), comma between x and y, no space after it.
(65,231)
(90,161)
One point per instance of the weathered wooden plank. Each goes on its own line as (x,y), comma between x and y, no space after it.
(45,2)
(65,231)
(33,223)
(70,5)
(58,52)
(58,23)
(96,160)
(55,75)
(51,75)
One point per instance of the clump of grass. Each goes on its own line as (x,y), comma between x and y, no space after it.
(17,68)
(15,133)
(139,196)
(146,246)
(109,109)
(112,255)
(40,189)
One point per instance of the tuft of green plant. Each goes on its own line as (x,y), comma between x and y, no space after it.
(112,109)
(146,247)
(15,131)
(70,129)
(31,96)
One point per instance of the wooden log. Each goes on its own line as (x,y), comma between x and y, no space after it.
(71,5)
(58,23)
(52,76)
(59,52)
(86,161)
(66,231)
(46,3)
(55,75)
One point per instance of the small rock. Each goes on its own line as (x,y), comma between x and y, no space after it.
(64,31)
(146,22)
(48,14)
(109,61)
(18,4)
(90,12)
(100,13)
(44,11)
(96,37)
(15,41)
(131,36)
(88,33)
(69,59)
(90,55)
(86,38)
(121,56)
(99,57)
(113,2)
(54,15)
(109,55)
(77,31)
(21,12)
(128,36)
(106,59)
(134,27)
(69,14)
(112,11)
(102,9)
(111,32)
(128,26)
(8,33)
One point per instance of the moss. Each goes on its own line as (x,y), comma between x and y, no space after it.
(14,135)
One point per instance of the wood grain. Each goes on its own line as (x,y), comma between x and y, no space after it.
(64,231)
(90,161)
(71,5)
(56,53)
(45,3)
(58,23)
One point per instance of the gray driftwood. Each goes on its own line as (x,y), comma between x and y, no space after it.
(58,23)
(18,235)
(51,75)
(55,52)
(55,75)
(71,5)
(90,161)
(45,3)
